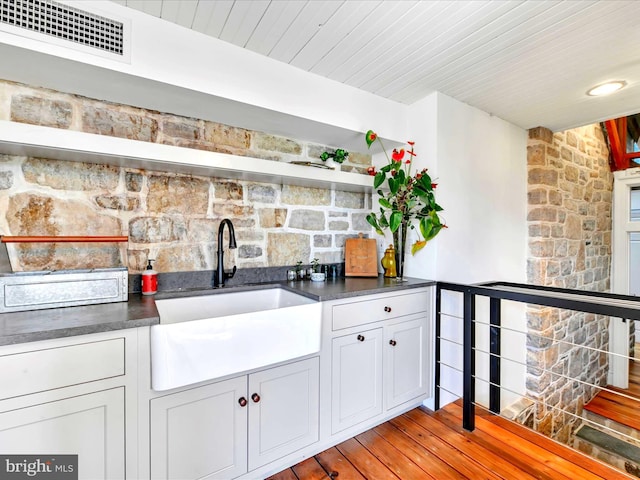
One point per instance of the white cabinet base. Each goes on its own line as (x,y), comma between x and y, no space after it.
(222,430)
(200,433)
(286,417)
(356,382)
(405,361)
(91,426)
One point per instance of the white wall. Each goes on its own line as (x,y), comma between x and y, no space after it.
(422,129)
(482,176)
(482,167)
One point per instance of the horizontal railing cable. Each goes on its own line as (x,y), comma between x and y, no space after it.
(553,374)
(533,334)
(542,370)
(562,342)
(539,402)
(472,330)
(582,419)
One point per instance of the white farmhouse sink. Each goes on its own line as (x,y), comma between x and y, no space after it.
(210,336)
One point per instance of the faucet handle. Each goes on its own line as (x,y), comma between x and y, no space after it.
(230,275)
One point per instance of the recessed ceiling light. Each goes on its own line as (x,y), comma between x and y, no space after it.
(606,88)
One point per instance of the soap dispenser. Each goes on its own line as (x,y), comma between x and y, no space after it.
(149,280)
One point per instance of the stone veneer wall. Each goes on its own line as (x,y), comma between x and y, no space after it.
(172,218)
(569,219)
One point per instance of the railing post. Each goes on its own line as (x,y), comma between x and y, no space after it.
(494,358)
(436,393)
(469,363)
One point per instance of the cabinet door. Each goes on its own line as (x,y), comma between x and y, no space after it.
(200,433)
(91,426)
(406,370)
(356,381)
(283,417)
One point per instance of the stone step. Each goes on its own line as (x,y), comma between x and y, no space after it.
(608,448)
(616,429)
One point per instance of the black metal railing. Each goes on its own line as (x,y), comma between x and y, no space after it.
(608,304)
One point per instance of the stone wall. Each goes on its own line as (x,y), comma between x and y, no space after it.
(169,217)
(569,220)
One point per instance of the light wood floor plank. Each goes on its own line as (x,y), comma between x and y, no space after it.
(519,451)
(554,448)
(466,465)
(471,449)
(337,465)
(310,469)
(393,458)
(432,445)
(366,463)
(284,475)
(421,456)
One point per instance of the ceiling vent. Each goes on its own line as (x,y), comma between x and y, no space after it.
(65,23)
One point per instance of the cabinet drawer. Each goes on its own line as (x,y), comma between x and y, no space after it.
(362,312)
(40,370)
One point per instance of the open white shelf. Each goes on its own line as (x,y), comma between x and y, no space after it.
(45,142)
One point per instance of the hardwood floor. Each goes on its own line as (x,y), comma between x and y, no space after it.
(620,408)
(432,445)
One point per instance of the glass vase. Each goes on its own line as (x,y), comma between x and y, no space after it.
(399,243)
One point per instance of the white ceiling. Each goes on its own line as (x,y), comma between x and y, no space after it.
(528,62)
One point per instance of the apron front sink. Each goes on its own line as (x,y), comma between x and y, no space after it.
(211,336)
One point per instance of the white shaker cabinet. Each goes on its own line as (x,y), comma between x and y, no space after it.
(356,383)
(379,354)
(224,429)
(283,413)
(406,368)
(67,396)
(90,426)
(201,432)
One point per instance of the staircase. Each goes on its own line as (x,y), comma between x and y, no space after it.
(611,432)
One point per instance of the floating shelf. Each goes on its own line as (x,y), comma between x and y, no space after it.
(45,142)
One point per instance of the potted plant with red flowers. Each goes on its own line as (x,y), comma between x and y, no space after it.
(405,200)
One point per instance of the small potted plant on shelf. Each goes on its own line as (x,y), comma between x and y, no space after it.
(338,156)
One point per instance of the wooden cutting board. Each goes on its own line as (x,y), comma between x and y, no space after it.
(360,257)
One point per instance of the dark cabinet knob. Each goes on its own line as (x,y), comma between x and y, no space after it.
(242,401)
(360,338)
(255,397)
(387,309)
(392,343)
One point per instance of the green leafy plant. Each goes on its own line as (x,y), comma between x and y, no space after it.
(315,264)
(338,156)
(406,197)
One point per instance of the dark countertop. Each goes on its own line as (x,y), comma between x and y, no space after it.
(353,287)
(140,311)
